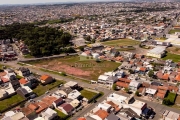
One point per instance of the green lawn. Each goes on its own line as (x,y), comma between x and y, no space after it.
(174,57)
(91,67)
(171,97)
(60,114)
(40,89)
(87,94)
(121,42)
(10,101)
(173,31)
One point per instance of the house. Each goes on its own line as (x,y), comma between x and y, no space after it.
(49,100)
(116,99)
(162,91)
(6,90)
(14,116)
(112,117)
(66,108)
(25,82)
(134,85)
(75,103)
(122,84)
(46,79)
(3,94)
(129,113)
(177,78)
(22,71)
(24,91)
(81,118)
(58,102)
(49,114)
(37,107)
(116,108)
(15,82)
(150,91)
(100,115)
(74,94)
(102,78)
(170,115)
(104,106)
(71,84)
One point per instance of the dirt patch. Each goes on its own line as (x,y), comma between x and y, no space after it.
(174,50)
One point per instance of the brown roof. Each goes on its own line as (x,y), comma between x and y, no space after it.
(173,88)
(160,95)
(23,81)
(67,107)
(4,79)
(114,105)
(142,69)
(162,88)
(159,75)
(42,106)
(101,113)
(165,76)
(33,106)
(140,90)
(122,84)
(3,73)
(49,100)
(26,110)
(145,84)
(124,80)
(177,77)
(44,77)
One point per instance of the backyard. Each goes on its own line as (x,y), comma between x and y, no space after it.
(174,57)
(87,94)
(40,89)
(74,65)
(61,114)
(121,42)
(10,101)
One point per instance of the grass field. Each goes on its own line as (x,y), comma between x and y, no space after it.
(125,49)
(173,31)
(60,114)
(121,42)
(87,69)
(174,57)
(87,94)
(40,89)
(10,101)
(171,97)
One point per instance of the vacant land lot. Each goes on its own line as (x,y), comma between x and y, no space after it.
(40,89)
(173,50)
(10,101)
(88,69)
(173,31)
(121,42)
(174,57)
(87,94)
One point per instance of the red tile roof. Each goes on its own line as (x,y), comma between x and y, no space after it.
(122,84)
(101,113)
(44,77)
(81,118)
(177,77)
(23,81)
(124,80)
(67,107)
(165,76)
(49,100)
(4,79)
(142,69)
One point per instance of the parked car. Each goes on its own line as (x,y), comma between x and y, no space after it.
(152,115)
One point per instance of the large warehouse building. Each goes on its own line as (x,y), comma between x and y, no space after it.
(157,52)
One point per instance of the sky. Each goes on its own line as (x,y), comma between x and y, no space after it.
(42,1)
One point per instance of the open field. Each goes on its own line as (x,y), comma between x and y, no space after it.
(171,97)
(40,89)
(173,31)
(121,42)
(87,69)
(174,50)
(10,101)
(174,57)
(87,94)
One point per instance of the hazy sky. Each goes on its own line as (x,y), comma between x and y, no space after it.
(41,1)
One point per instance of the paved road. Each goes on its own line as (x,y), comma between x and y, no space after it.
(156,106)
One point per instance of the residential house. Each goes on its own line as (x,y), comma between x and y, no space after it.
(116,108)
(49,114)
(102,78)
(150,91)
(100,115)
(49,100)
(25,92)
(15,82)
(134,85)
(177,78)
(71,84)
(75,103)
(10,115)
(74,94)
(37,107)
(170,115)
(112,117)
(162,91)
(104,106)
(58,102)
(25,82)
(6,90)
(46,79)
(129,113)
(24,72)
(66,108)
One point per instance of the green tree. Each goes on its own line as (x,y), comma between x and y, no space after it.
(137,93)
(131,71)
(151,73)
(114,87)
(81,48)
(166,101)
(126,89)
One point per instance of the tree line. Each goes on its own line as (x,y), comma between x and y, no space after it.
(41,41)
